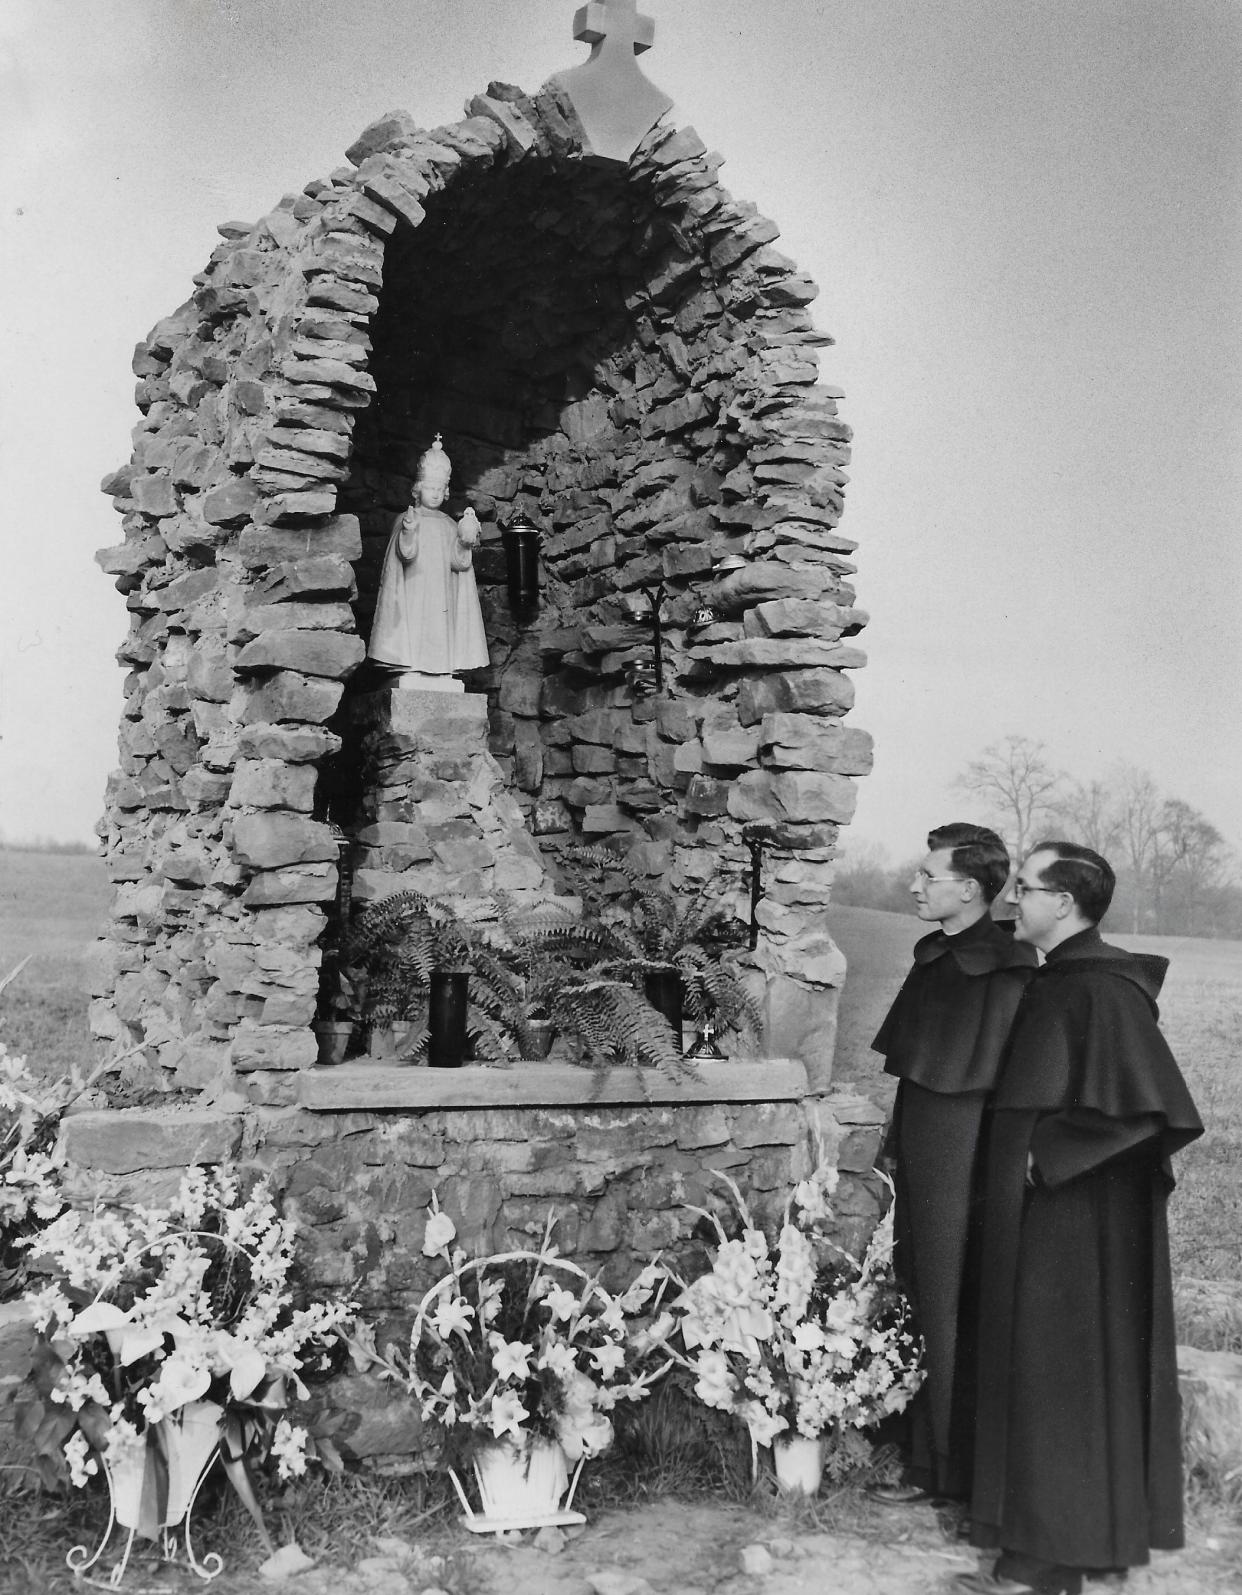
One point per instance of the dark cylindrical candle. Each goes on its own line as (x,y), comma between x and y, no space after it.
(522,571)
(663,991)
(446,1018)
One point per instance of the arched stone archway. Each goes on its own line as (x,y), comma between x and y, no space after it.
(619,353)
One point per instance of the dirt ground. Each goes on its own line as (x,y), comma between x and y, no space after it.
(674,1548)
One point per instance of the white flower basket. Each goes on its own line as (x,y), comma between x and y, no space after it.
(522,1483)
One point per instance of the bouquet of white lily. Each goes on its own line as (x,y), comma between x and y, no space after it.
(793,1335)
(159,1321)
(526,1343)
(30,1194)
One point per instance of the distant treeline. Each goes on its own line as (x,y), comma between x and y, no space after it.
(1176,875)
(866,878)
(47,844)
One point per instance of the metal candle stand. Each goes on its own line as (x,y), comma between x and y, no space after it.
(756,838)
(654,595)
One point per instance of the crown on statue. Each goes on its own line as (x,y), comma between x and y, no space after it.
(435,465)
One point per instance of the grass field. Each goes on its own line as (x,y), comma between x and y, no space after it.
(52,906)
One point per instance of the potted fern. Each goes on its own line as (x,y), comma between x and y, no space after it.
(452,983)
(639,932)
(411,958)
(521,980)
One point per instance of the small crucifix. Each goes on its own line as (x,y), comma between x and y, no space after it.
(616,104)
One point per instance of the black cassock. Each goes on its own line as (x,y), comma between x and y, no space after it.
(1078,1455)
(944,1037)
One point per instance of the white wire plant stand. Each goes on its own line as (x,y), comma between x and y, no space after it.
(187,1444)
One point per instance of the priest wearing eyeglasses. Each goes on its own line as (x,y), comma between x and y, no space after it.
(1077,1442)
(943,1039)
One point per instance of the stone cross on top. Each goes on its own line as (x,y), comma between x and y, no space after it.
(615,102)
(615,22)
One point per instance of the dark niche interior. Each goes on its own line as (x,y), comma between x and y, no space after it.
(533,320)
(494,314)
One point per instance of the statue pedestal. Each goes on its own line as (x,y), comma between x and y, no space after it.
(420,681)
(437,815)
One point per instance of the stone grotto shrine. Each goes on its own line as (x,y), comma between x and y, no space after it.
(616,354)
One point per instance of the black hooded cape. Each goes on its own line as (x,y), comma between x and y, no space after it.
(944,1037)
(1078,1452)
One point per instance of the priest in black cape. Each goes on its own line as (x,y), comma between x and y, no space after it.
(943,1038)
(1078,1448)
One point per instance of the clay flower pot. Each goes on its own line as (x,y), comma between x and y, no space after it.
(333,1037)
(541,1033)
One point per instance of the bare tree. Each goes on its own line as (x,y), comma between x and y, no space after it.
(1089,813)
(1139,808)
(1016,787)
(1188,859)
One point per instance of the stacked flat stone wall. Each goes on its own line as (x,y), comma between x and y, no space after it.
(358,1186)
(619,354)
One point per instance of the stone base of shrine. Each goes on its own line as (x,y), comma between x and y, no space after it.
(621,1172)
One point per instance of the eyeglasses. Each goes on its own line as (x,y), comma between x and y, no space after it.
(1020,889)
(927,880)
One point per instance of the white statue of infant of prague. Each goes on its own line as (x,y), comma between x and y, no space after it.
(428,622)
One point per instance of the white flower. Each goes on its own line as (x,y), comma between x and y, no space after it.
(763,1425)
(510,1358)
(289,1449)
(561,1303)
(507,1414)
(100,1317)
(181,1379)
(76,1387)
(558,1358)
(581,1427)
(640,1289)
(755,1244)
(81,1463)
(149,1401)
(247,1368)
(136,1341)
(608,1359)
(123,1437)
(654,1334)
(715,1385)
(48,1303)
(795,1272)
(491,1293)
(453,1317)
(439,1234)
(611,1317)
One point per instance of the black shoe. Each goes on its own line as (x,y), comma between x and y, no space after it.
(989,1584)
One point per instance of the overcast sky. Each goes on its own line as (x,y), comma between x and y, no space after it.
(1023,216)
